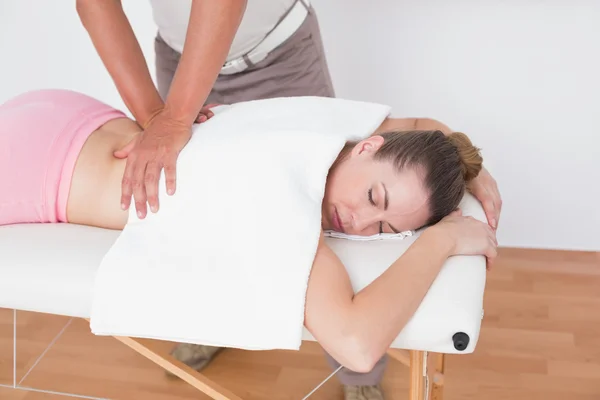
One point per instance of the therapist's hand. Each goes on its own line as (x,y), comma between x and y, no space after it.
(485,189)
(205,113)
(155,148)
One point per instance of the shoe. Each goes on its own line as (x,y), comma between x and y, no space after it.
(195,356)
(371,392)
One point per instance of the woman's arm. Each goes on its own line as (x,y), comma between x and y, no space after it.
(358,329)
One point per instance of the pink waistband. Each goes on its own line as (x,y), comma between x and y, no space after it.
(41,135)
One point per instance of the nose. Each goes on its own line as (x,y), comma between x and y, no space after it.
(366,222)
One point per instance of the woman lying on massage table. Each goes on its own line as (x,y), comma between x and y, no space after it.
(57,165)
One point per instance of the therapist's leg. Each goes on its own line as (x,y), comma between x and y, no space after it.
(298,67)
(166,61)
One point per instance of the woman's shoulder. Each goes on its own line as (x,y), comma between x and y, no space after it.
(407,124)
(396,124)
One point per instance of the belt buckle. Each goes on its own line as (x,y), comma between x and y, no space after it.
(234,66)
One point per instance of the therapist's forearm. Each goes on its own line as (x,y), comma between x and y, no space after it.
(120,52)
(211,30)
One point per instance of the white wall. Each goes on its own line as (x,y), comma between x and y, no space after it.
(522,78)
(44,45)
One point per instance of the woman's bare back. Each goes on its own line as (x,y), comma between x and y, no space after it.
(95,194)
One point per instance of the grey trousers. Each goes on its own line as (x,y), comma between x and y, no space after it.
(296,68)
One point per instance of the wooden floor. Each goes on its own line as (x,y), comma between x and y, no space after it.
(540,339)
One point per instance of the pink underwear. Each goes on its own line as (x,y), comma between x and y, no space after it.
(41,135)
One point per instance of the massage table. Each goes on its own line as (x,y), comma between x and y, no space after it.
(50,268)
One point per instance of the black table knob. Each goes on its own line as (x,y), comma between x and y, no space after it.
(461,341)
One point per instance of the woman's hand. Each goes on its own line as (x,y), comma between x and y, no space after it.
(485,189)
(469,236)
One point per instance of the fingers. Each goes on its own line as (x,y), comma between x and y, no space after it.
(492,250)
(493,242)
(151,182)
(492,201)
(141,180)
(171,174)
(139,187)
(126,187)
(155,148)
(485,189)
(490,209)
(489,263)
(491,234)
(205,113)
(124,152)
(498,203)
(491,253)
(133,183)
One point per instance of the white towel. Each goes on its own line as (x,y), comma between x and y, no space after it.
(226,260)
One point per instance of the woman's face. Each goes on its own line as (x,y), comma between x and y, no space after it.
(365,197)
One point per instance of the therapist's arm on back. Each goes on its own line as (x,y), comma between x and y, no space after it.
(167,126)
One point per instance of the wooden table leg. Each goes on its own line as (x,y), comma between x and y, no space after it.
(418,381)
(179,369)
(437,378)
(196,379)
(402,356)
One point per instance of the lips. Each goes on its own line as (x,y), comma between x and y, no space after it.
(337,222)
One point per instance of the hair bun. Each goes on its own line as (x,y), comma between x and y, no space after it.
(470,156)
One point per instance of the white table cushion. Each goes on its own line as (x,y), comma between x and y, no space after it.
(50,268)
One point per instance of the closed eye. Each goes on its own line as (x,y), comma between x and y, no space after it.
(373,203)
